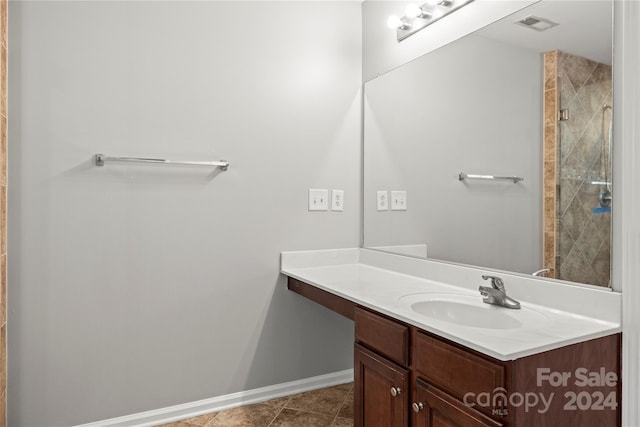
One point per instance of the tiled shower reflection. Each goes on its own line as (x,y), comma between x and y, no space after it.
(583,180)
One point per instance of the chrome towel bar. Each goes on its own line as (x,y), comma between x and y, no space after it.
(462,176)
(101,159)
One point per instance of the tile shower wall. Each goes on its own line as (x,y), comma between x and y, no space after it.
(582,237)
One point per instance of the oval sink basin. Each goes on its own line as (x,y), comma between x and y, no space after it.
(467,315)
(470,311)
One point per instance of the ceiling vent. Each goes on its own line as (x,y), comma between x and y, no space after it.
(536,23)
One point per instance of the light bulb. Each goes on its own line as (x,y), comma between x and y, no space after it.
(413,10)
(394,22)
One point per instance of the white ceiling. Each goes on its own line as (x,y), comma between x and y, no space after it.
(585,28)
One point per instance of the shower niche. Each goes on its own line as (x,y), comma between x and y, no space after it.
(577,168)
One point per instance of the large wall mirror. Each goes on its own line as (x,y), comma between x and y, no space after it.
(526,97)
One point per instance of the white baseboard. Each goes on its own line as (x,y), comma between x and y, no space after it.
(214,404)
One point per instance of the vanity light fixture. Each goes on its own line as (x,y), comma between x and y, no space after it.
(396,23)
(439,2)
(418,17)
(415,11)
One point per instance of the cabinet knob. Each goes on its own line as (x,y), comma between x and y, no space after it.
(417,407)
(395,391)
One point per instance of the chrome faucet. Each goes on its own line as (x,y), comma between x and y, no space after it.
(541,273)
(497,294)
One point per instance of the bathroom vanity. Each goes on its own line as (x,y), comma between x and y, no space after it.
(428,352)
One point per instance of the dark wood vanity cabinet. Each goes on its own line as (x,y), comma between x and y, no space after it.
(435,408)
(408,377)
(446,381)
(381,397)
(381,374)
(387,352)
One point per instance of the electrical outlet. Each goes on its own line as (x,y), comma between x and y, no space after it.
(337,200)
(318,200)
(382,200)
(398,200)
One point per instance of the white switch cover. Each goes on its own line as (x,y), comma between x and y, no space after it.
(337,200)
(398,200)
(382,198)
(318,200)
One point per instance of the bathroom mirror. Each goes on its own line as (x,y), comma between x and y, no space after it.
(512,100)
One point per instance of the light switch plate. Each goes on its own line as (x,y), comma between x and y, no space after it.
(318,199)
(337,200)
(382,200)
(398,200)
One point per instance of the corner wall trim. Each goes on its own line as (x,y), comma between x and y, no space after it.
(214,404)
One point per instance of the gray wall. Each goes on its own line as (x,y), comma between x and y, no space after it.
(473,106)
(137,287)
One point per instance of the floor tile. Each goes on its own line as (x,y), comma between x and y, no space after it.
(317,408)
(347,407)
(291,418)
(324,401)
(343,422)
(202,420)
(346,386)
(199,421)
(258,415)
(178,424)
(279,401)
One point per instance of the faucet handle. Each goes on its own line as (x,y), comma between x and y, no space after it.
(496,282)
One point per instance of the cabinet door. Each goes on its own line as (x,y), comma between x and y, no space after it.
(434,408)
(381,396)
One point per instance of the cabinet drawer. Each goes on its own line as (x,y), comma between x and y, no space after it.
(385,336)
(439,409)
(454,369)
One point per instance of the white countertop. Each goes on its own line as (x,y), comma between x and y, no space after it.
(390,283)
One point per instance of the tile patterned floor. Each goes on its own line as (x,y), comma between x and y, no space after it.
(326,407)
